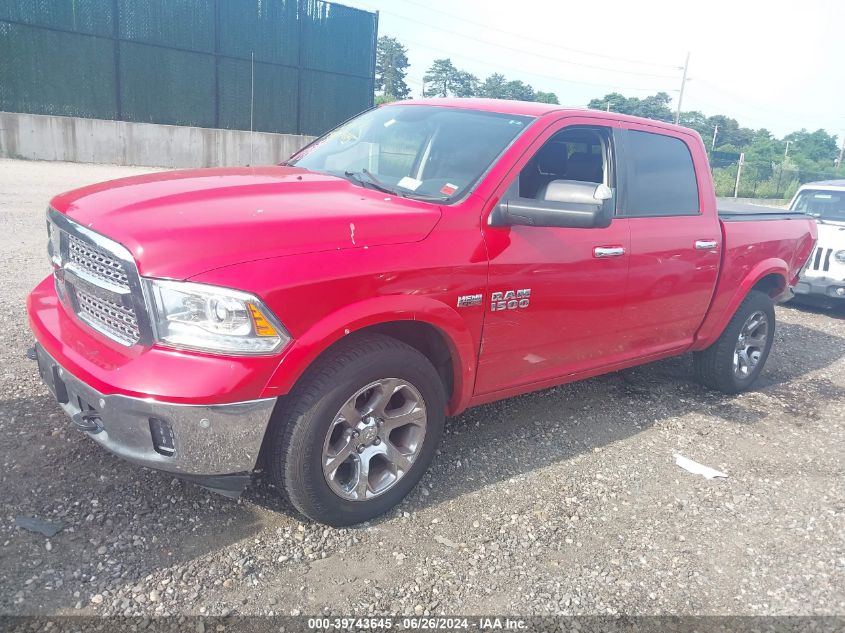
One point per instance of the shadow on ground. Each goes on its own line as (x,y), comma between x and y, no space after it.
(505,439)
(163,523)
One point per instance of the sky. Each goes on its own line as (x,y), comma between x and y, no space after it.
(777,65)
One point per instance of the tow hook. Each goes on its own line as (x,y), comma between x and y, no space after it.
(88,421)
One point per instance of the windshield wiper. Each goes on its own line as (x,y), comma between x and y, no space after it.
(371,181)
(426,196)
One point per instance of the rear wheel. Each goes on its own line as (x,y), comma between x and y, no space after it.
(733,363)
(358,431)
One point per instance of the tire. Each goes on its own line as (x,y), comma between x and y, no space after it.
(300,442)
(716,366)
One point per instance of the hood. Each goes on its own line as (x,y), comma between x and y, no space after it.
(831,235)
(179,224)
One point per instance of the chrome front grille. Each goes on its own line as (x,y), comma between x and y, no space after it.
(98,281)
(112,319)
(97,262)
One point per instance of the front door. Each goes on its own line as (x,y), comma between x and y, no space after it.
(555,295)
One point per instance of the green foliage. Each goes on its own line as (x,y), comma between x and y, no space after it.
(813,147)
(444,80)
(546,97)
(497,86)
(767,172)
(653,107)
(391,68)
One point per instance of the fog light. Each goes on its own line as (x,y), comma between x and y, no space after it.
(162,434)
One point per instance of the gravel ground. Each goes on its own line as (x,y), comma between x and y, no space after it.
(567,501)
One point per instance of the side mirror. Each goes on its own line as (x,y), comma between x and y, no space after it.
(565,203)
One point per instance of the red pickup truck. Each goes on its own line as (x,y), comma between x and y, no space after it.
(424,257)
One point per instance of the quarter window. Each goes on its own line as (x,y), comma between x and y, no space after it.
(661,177)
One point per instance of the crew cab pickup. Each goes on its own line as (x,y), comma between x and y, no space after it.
(427,256)
(823,278)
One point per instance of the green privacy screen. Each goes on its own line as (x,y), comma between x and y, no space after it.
(288,66)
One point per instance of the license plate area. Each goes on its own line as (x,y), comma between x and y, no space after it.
(49,372)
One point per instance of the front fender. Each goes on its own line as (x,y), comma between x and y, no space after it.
(356,316)
(726,302)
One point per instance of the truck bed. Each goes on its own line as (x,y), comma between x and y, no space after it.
(732,211)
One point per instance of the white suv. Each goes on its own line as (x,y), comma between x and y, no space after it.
(824,275)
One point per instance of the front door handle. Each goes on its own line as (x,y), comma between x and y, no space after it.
(608,251)
(706,245)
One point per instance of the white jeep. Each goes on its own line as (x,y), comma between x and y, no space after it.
(823,278)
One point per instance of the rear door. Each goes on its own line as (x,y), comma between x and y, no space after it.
(675,239)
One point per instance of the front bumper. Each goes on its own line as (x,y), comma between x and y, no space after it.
(821,287)
(214,445)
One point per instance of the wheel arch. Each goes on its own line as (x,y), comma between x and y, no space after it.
(768,276)
(430,326)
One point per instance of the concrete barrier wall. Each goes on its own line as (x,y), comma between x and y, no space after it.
(40,137)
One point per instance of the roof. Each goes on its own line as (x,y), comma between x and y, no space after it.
(825,183)
(533,109)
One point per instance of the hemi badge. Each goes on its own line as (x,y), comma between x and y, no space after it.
(466,301)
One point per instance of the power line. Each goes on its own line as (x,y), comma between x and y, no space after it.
(758,108)
(545,42)
(523,72)
(521,50)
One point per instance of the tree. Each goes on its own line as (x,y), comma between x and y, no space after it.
(546,97)
(444,80)
(464,84)
(493,87)
(497,86)
(698,121)
(819,146)
(730,133)
(653,107)
(391,68)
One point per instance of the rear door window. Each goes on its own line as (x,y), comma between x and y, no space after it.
(660,176)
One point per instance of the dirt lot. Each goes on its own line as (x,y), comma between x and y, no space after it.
(564,501)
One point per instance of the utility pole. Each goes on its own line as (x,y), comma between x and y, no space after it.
(715,132)
(739,173)
(607,109)
(681,96)
(786,153)
(841,152)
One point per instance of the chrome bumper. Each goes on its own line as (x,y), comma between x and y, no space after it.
(821,286)
(207,440)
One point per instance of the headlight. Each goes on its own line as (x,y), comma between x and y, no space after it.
(214,319)
(839,256)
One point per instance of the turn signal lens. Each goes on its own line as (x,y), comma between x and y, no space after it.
(262,326)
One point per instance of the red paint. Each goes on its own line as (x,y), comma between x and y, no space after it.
(330,258)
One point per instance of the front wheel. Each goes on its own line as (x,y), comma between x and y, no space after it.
(358,431)
(735,360)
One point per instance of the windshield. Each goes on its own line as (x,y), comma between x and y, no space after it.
(424,152)
(825,205)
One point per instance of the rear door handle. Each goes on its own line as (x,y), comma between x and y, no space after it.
(608,251)
(706,245)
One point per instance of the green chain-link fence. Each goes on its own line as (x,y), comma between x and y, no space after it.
(288,66)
